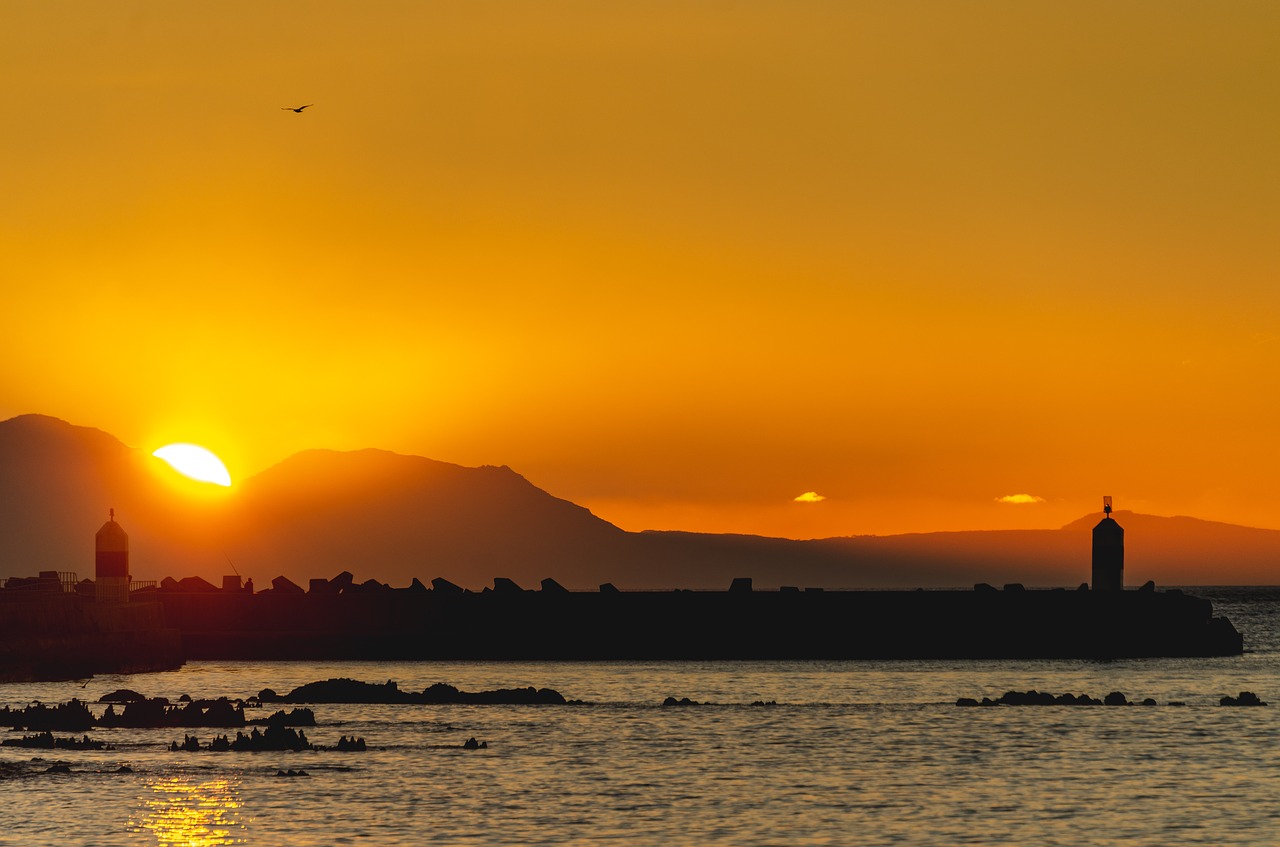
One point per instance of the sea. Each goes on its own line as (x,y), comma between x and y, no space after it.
(776,753)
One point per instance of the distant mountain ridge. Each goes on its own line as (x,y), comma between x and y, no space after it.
(394,517)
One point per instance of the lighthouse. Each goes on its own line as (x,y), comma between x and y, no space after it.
(1108,552)
(111,563)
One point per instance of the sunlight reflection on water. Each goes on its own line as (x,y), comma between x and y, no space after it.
(183,812)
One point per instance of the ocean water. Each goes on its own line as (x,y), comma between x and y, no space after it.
(853,753)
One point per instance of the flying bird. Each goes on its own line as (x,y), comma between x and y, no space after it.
(298,110)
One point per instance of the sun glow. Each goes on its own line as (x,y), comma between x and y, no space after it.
(195,462)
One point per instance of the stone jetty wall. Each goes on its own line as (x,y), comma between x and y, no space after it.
(519,624)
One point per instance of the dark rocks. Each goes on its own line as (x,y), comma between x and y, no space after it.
(683,701)
(355,691)
(441,693)
(1076,700)
(292,773)
(472,744)
(121,695)
(340,691)
(46,741)
(351,745)
(295,717)
(274,739)
(1041,698)
(72,716)
(157,712)
(1115,698)
(189,743)
(1035,698)
(58,768)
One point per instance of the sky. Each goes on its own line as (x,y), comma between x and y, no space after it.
(936,265)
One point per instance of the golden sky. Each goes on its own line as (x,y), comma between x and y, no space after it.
(678,262)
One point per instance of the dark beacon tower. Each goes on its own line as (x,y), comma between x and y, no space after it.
(111,563)
(1108,552)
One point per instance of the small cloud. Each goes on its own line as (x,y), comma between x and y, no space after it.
(1020,499)
(810,497)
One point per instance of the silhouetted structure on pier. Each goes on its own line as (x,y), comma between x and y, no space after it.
(111,563)
(1108,552)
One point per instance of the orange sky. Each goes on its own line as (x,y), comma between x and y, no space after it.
(679,263)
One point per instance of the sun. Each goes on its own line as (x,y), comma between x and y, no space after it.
(195,462)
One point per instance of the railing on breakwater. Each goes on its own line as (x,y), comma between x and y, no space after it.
(55,582)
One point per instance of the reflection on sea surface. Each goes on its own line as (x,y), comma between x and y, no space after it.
(180,810)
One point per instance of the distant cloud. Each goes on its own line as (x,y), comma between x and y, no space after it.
(1020,499)
(810,497)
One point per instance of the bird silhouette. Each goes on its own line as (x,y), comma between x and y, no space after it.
(298,110)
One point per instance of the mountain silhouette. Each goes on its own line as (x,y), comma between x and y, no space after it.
(393,517)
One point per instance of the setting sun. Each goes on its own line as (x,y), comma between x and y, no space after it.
(195,462)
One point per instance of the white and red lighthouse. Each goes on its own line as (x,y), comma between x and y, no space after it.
(111,563)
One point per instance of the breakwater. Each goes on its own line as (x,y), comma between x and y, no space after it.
(54,635)
(376,622)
